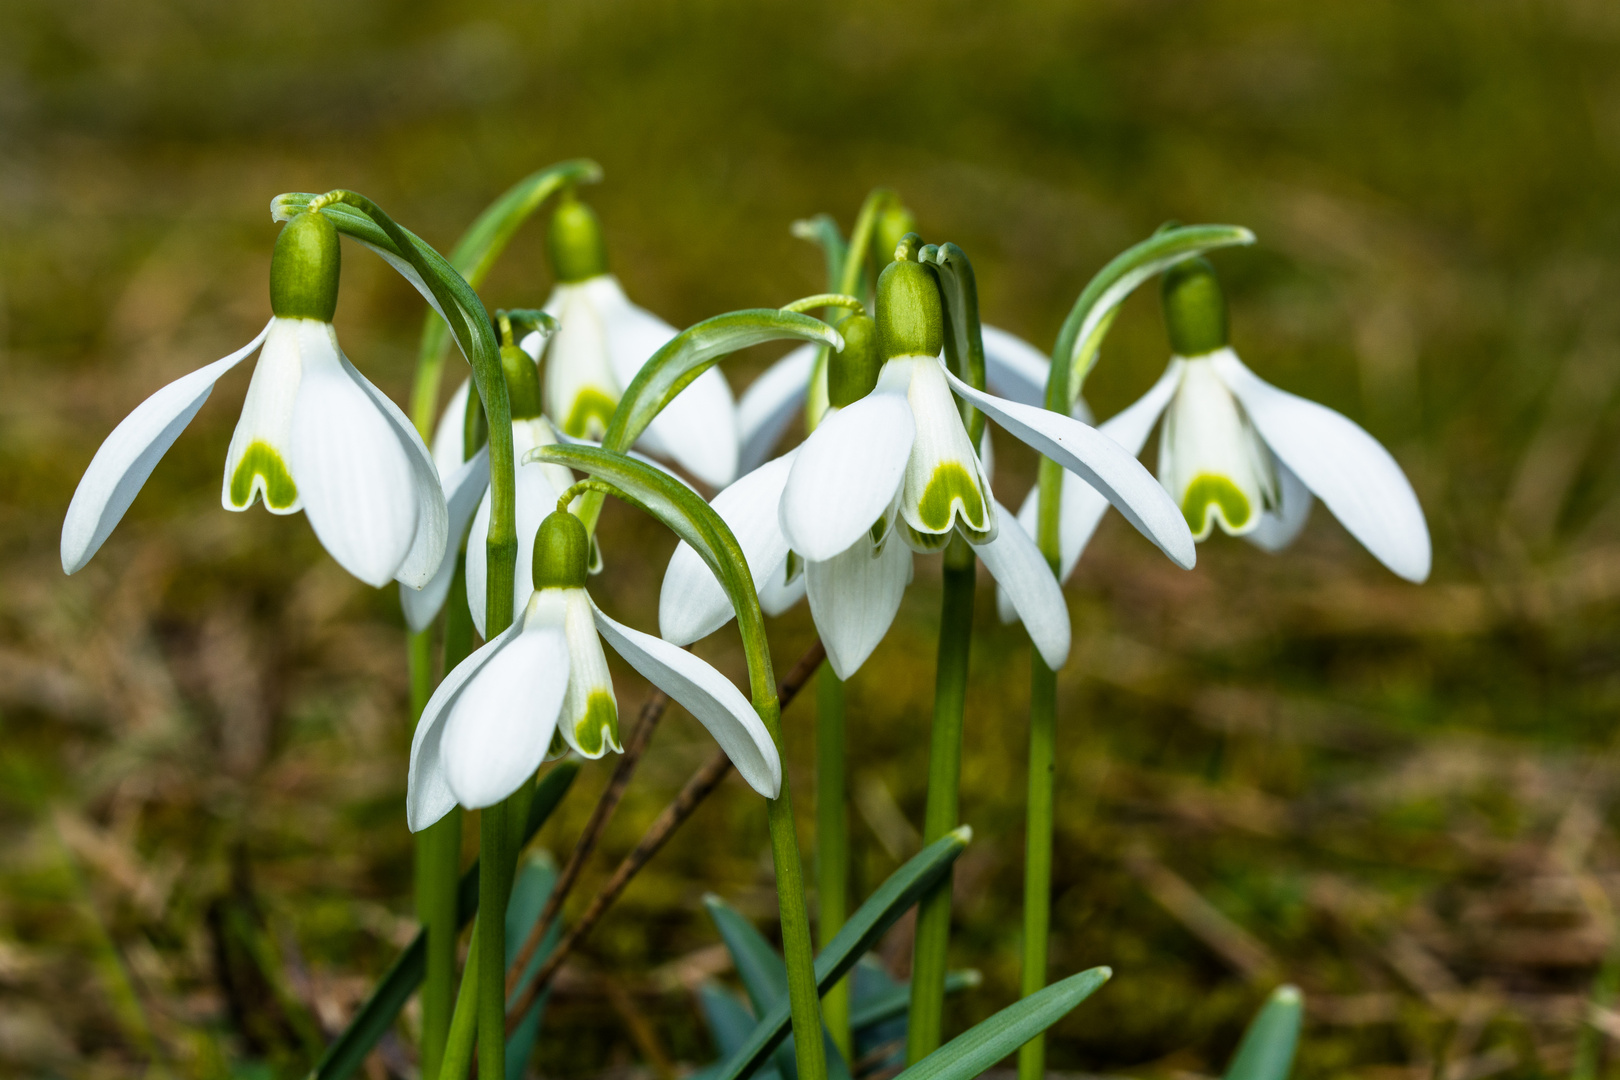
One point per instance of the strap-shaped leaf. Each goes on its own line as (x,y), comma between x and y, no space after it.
(530,890)
(822,231)
(870,921)
(1267,1049)
(986,1043)
(1080,339)
(696,349)
(893,1001)
(400,981)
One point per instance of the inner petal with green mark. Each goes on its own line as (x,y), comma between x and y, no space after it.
(952,490)
(261,471)
(1211,496)
(599,728)
(590,404)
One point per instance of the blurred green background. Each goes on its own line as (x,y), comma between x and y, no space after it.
(1399,797)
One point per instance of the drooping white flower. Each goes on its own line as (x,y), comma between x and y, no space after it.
(602,340)
(1241,454)
(489,724)
(898,460)
(314,435)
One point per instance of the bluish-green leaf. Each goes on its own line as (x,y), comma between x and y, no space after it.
(402,978)
(1267,1049)
(761,970)
(869,922)
(530,890)
(881,1007)
(1080,339)
(986,1043)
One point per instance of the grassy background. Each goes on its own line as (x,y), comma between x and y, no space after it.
(1399,797)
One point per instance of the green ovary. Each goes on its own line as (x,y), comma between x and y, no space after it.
(261,460)
(1206,490)
(950,483)
(589,404)
(599,728)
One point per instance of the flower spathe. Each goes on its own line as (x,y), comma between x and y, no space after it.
(489,724)
(314,435)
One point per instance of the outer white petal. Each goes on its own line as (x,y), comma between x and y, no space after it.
(128,456)
(449,436)
(1013,368)
(770,403)
(1281,527)
(848,471)
(1019,568)
(464,488)
(780,592)
(854,597)
(1100,462)
(427,791)
(357,480)
(1354,476)
(536,487)
(502,722)
(431,542)
(707,695)
(265,424)
(692,604)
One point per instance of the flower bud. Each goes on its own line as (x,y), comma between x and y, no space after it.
(575,242)
(889,229)
(910,320)
(522,382)
(1194,308)
(562,552)
(304,269)
(851,374)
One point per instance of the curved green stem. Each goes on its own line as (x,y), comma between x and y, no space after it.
(832,844)
(929,951)
(1038,850)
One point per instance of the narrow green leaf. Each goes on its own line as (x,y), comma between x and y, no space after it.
(696,349)
(870,921)
(964,340)
(986,1043)
(822,231)
(1080,339)
(761,970)
(402,978)
(1267,1049)
(728,1020)
(530,890)
(893,1001)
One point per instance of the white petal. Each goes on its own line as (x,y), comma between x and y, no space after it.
(847,472)
(854,597)
(258,463)
(590,713)
(1027,582)
(536,487)
(464,488)
(128,456)
(449,438)
(942,461)
(502,722)
(1100,462)
(1013,368)
(427,791)
(1354,476)
(770,403)
(1280,527)
(431,542)
(579,386)
(1210,458)
(359,487)
(707,695)
(780,592)
(692,604)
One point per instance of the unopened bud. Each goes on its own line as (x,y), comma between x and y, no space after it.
(304,269)
(522,382)
(851,374)
(1194,308)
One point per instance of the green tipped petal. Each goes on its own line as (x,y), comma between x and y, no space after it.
(590,405)
(952,490)
(261,469)
(598,731)
(1209,492)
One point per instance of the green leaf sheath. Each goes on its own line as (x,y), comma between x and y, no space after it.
(984,1044)
(400,981)
(964,339)
(1267,1049)
(1080,338)
(1038,849)
(473,256)
(943,809)
(869,923)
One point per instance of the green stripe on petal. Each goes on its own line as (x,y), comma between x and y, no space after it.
(598,731)
(589,405)
(262,470)
(951,490)
(1211,492)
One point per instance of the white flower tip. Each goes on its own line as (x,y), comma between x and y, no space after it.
(963,833)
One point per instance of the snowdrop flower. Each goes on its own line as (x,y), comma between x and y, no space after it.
(893,471)
(1238,453)
(492,720)
(601,342)
(314,435)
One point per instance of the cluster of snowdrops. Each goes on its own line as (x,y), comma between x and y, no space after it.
(484,510)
